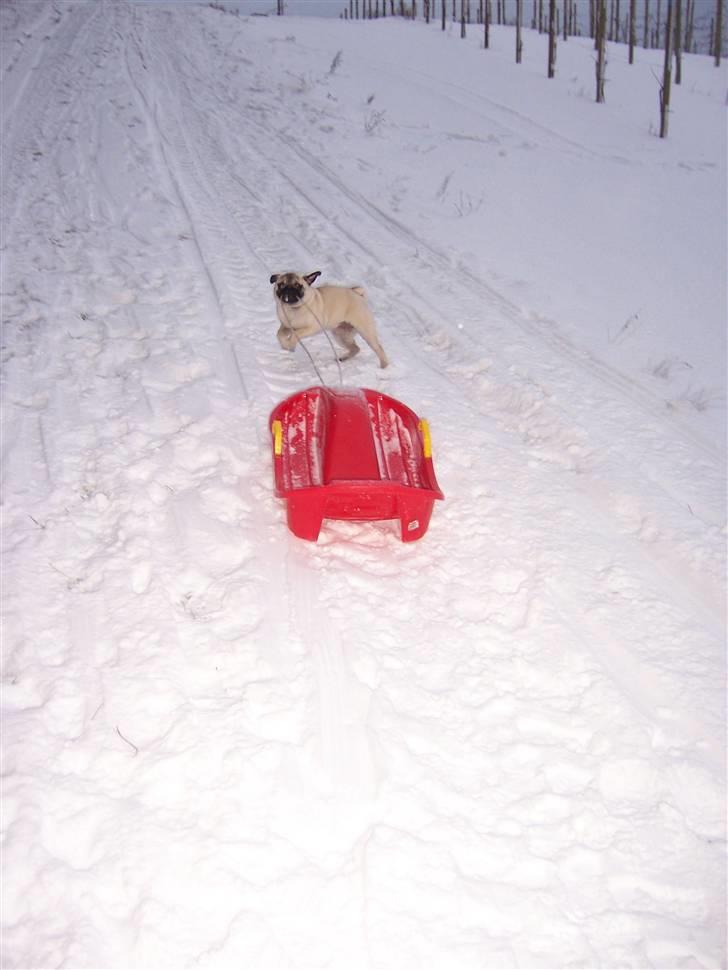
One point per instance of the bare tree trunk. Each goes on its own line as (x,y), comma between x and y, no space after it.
(486,25)
(540,16)
(552,38)
(601,30)
(519,41)
(566,20)
(646,34)
(689,26)
(666,74)
(534,19)
(462,18)
(718,31)
(657,25)
(632,29)
(592,18)
(616,20)
(678,41)
(443,14)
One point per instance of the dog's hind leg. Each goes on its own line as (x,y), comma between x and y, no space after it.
(379,351)
(344,334)
(372,340)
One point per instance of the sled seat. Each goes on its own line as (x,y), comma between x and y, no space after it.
(352,453)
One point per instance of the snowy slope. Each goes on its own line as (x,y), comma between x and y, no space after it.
(501,746)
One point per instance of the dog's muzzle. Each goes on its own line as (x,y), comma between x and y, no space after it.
(290,293)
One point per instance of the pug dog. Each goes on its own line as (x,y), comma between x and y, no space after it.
(304,309)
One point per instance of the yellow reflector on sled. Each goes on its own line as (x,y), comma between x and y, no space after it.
(426,440)
(277,429)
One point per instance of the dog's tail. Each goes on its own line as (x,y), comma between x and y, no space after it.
(360,290)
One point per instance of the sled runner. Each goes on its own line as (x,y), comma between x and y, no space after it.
(352,453)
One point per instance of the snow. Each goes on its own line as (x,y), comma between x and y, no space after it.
(500,746)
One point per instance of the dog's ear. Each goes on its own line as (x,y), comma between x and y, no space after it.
(312,277)
(274,277)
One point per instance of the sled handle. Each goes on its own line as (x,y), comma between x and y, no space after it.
(277,429)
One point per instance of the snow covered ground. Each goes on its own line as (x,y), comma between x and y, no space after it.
(500,746)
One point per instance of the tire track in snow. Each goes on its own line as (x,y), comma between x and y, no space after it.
(40,127)
(222,205)
(343,745)
(34,143)
(20,63)
(217,305)
(214,262)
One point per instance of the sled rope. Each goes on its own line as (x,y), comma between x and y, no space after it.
(326,333)
(322,382)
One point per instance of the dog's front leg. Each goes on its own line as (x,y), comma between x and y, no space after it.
(287,338)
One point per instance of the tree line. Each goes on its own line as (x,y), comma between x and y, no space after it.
(642,20)
(667,24)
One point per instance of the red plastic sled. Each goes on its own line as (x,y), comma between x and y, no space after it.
(352,453)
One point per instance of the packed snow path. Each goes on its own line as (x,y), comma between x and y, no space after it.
(502,746)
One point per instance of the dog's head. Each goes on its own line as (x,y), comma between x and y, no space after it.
(290,288)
